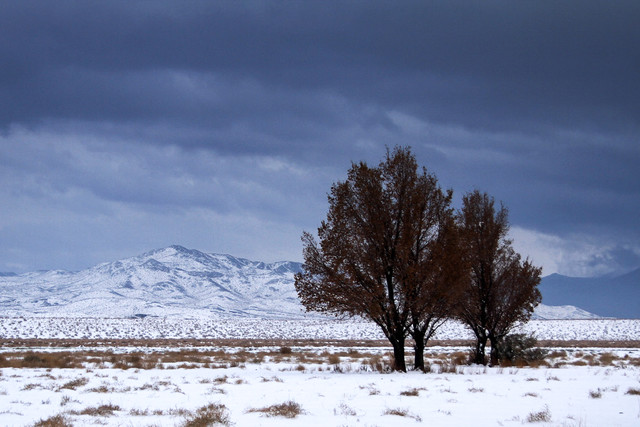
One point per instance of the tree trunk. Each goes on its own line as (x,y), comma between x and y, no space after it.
(478,355)
(418,362)
(398,354)
(495,350)
(418,346)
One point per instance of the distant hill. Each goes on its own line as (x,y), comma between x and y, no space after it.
(605,296)
(174,281)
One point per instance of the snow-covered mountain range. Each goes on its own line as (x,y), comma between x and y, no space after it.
(172,281)
(610,296)
(163,282)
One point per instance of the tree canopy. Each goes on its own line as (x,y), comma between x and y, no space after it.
(379,248)
(393,251)
(501,289)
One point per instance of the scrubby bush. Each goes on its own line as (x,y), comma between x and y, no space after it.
(543,416)
(285,350)
(287,409)
(209,415)
(55,421)
(520,349)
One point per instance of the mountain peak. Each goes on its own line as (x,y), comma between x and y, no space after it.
(163,282)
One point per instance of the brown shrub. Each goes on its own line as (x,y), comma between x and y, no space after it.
(99,411)
(555,354)
(74,384)
(402,413)
(543,416)
(287,409)
(334,359)
(208,415)
(55,421)
(285,350)
(607,359)
(411,392)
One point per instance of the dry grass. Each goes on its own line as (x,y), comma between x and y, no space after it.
(543,416)
(74,384)
(607,359)
(373,391)
(106,389)
(411,392)
(31,359)
(285,350)
(209,415)
(288,409)
(242,352)
(98,411)
(55,421)
(633,391)
(32,386)
(402,413)
(334,359)
(344,409)
(555,354)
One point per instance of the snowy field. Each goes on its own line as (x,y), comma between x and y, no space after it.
(328,389)
(315,328)
(341,384)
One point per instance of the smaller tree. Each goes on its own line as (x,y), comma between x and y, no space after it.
(501,289)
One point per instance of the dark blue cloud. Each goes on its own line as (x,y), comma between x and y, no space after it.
(253,109)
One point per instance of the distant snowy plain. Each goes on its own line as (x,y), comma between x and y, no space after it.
(260,328)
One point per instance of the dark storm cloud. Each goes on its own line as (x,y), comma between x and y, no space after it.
(254,108)
(472,63)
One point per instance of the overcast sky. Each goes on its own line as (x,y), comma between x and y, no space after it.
(129,126)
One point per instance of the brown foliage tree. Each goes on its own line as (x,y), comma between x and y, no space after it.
(501,289)
(438,286)
(377,247)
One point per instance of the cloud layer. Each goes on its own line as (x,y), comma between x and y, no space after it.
(221,125)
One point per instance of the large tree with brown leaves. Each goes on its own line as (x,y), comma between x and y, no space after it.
(381,250)
(501,289)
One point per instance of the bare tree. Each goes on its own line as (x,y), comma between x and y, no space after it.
(375,247)
(501,289)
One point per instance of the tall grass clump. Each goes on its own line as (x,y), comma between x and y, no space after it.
(543,416)
(288,409)
(212,414)
(55,421)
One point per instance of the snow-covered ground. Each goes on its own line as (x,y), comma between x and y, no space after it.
(341,394)
(335,385)
(257,328)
